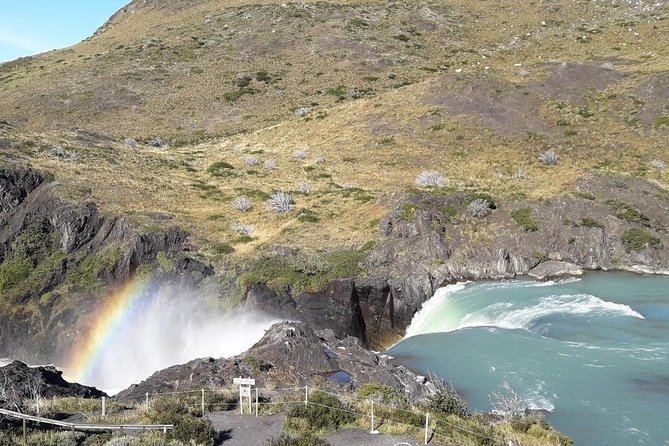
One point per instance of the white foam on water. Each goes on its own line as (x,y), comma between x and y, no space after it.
(499,315)
(535,399)
(423,316)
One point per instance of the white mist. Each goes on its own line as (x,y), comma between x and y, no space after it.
(171,327)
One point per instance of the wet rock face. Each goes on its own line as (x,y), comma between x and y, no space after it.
(30,210)
(336,307)
(15,185)
(291,354)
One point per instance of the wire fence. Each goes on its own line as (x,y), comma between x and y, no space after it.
(377,415)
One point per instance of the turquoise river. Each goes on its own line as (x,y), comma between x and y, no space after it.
(593,351)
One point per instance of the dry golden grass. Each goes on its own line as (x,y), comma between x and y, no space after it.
(122,83)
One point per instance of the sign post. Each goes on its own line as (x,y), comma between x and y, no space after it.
(244,391)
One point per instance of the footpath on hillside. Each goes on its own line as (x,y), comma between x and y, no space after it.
(247,430)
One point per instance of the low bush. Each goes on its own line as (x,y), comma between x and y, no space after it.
(523,217)
(324,412)
(187,428)
(430,179)
(305,439)
(638,239)
(280,202)
(242,204)
(626,212)
(446,401)
(220,169)
(479,208)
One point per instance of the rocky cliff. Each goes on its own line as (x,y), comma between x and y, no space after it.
(430,239)
(57,259)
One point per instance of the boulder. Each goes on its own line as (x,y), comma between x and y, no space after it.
(555,268)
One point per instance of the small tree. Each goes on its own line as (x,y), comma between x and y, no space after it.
(430,179)
(507,402)
(280,202)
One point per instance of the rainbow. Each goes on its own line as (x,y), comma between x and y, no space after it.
(117,311)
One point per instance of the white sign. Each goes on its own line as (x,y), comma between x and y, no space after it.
(245,392)
(244,381)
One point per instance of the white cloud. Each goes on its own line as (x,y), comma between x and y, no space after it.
(21,42)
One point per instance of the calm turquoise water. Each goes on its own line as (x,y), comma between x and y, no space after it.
(593,351)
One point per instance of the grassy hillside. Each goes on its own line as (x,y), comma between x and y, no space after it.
(341,104)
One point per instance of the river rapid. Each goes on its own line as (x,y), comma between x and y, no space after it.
(591,351)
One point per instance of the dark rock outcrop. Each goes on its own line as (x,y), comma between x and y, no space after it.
(291,354)
(20,382)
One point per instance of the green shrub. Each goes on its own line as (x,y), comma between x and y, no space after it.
(446,401)
(187,428)
(220,169)
(661,121)
(256,364)
(324,412)
(222,248)
(590,223)
(300,274)
(166,264)
(638,239)
(378,393)
(308,216)
(626,212)
(14,271)
(305,439)
(523,217)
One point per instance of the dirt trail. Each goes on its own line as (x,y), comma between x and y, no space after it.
(245,430)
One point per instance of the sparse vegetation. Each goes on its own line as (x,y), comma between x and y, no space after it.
(626,212)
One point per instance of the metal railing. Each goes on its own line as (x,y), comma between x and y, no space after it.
(86,426)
